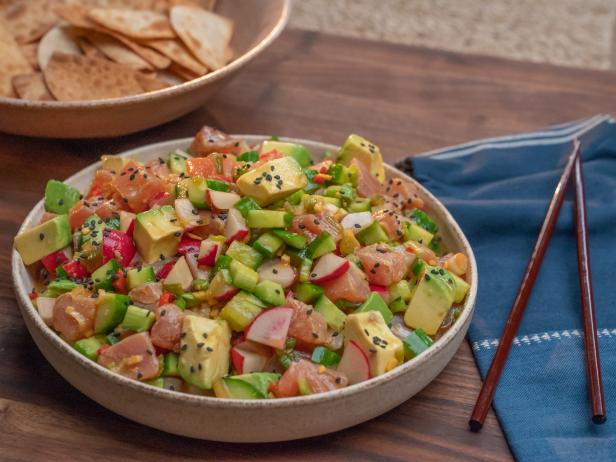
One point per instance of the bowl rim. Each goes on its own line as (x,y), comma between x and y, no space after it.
(28,309)
(172,90)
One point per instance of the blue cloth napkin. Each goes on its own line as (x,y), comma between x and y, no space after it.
(498,191)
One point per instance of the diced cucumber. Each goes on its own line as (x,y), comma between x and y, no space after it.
(241,310)
(295,240)
(360,205)
(137,276)
(138,319)
(322,355)
(59,287)
(190,299)
(199,284)
(104,276)
(244,254)
(243,277)
(158,382)
(217,185)
(398,306)
(307,292)
(223,262)
(194,189)
(295,198)
(372,234)
(424,220)
(302,261)
(297,151)
(177,162)
(401,289)
(248,156)
(414,232)
(321,245)
(268,245)
(89,346)
(110,311)
(376,303)
(333,315)
(270,292)
(170,365)
(415,343)
(268,219)
(342,174)
(246,204)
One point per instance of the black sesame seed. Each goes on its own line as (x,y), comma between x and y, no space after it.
(366,332)
(338,380)
(200,345)
(275,271)
(313,275)
(309,312)
(205,335)
(177,234)
(41,236)
(357,225)
(163,312)
(139,374)
(184,347)
(315,335)
(210,349)
(427,277)
(335,334)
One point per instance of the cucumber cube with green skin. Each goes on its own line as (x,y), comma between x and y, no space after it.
(333,315)
(268,245)
(321,245)
(177,162)
(158,382)
(237,389)
(307,292)
(268,219)
(60,197)
(180,302)
(112,338)
(376,303)
(295,240)
(461,287)
(59,287)
(89,346)
(414,232)
(44,239)
(248,156)
(216,185)
(138,319)
(104,276)
(245,205)
(110,311)
(360,206)
(241,310)
(190,300)
(300,153)
(423,220)
(194,189)
(243,277)
(258,385)
(398,306)
(296,197)
(345,193)
(138,276)
(170,365)
(342,174)
(322,355)
(244,254)
(92,231)
(372,234)
(222,263)
(401,289)
(270,292)
(415,343)
(199,285)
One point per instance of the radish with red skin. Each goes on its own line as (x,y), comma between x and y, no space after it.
(248,356)
(192,259)
(381,290)
(187,245)
(118,245)
(186,213)
(220,200)
(165,270)
(329,266)
(270,327)
(354,363)
(235,227)
(356,221)
(277,271)
(127,222)
(209,251)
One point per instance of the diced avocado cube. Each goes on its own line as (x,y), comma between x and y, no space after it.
(38,242)
(300,153)
(170,365)
(295,240)
(461,288)
(180,275)
(204,351)
(138,276)
(268,245)
(322,355)
(333,315)
(321,245)
(414,232)
(415,343)
(194,189)
(431,300)
(398,306)
(424,220)
(272,181)
(89,346)
(401,289)
(260,381)
(307,292)
(270,292)
(241,310)
(376,303)
(369,330)
(248,156)
(230,387)
(348,242)
(59,287)
(268,219)
(369,154)
(110,311)
(114,163)
(244,254)
(138,319)
(372,234)
(243,277)
(104,276)
(245,205)
(177,161)
(60,197)
(158,382)
(157,233)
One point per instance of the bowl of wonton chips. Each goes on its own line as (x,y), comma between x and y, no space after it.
(100,68)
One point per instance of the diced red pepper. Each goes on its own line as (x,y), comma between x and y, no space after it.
(165,298)
(321,178)
(75,269)
(165,270)
(33,295)
(120,283)
(53,260)
(118,245)
(188,245)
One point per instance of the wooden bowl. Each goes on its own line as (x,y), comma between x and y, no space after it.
(247,420)
(257,25)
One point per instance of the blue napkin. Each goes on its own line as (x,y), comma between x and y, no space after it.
(498,191)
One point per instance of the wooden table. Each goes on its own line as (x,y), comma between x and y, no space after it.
(308,85)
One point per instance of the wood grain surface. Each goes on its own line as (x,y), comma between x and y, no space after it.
(308,85)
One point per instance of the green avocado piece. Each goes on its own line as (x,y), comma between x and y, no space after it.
(241,310)
(137,276)
(138,319)
(369,154)
(60,197)
(270,292)
(461,288)
(376,303)
(104,276)
(236,389)
(110,311)
(157,233)
(424,220)
(259,381)
(333,315)
(204,350)
(38,242)
(300,153)
(263,185)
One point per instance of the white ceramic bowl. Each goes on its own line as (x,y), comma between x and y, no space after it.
(246,420)
(257,24)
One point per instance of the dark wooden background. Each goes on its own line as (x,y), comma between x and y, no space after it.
(307,85)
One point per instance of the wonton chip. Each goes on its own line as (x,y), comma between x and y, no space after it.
(116,51)
(12,62)
(150,82)
(32,87)
(207,35)
(30,52)
(29,20)
(62,39)
(140,24)
(178,53)
(75,78)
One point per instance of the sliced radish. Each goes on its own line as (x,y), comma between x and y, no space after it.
(118,245)
(188,245)
(235,226)
(277,271)
(357,221)
(209,251)
(55,259)
(187,213)
(44,306)
(180,274)
(250,357)
(220,290)
(127,222)
(193,264)
(220,200)
(354,363)
(381,290)
(330,266)
(270,327)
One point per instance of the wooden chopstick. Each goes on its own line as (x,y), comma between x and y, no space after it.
(484,400)
(591,347)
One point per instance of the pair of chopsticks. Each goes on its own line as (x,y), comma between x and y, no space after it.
(593,367)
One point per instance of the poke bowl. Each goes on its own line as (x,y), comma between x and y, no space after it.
(338,378)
